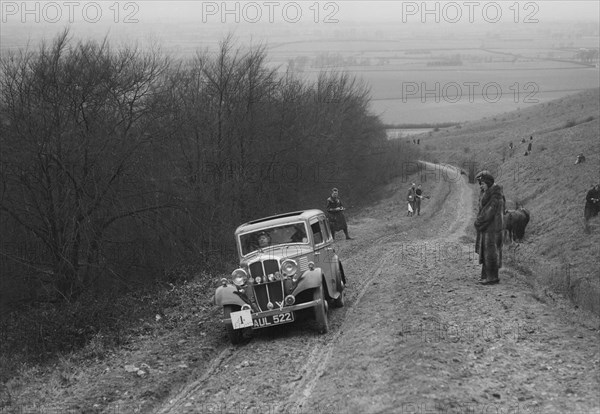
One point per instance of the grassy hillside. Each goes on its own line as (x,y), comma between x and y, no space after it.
(558,255)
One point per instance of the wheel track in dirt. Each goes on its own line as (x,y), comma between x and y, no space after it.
(321,353)
(295,372)
(322,348)
(176,404)
(314,367)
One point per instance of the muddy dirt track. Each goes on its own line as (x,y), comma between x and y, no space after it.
(418,333)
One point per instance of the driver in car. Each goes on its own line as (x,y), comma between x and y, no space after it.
(264,240)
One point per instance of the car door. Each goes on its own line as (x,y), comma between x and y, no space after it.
(319,245)
(329,256)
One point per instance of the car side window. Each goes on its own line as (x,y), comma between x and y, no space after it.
(316,230)
(325,229)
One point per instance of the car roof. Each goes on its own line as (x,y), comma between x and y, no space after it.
(279,219)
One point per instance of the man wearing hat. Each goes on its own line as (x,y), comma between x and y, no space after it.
(489,228)
(335,214)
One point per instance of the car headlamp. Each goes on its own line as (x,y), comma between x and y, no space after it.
(239,277)
(289,268)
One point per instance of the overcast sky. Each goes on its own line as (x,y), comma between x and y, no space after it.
(142,15)
(182,26)
(359,28)
(363,10)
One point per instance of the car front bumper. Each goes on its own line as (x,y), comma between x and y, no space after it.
(278,311)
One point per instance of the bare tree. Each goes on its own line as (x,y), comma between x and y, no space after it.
(123,162)
(72,143)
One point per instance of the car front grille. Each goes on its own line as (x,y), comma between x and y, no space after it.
(269,292)
(303,263)
(263,268)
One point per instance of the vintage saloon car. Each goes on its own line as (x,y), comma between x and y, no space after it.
(287,263)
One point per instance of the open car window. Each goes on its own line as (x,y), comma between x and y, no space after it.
(325,230)
(286,234)
(317,234)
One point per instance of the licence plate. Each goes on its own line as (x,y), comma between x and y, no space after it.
(278,319)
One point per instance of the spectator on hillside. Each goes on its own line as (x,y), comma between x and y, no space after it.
(511,149)
(410,198)
(489,223)
(335,214)
(592,203)
(418,198)
(580,158)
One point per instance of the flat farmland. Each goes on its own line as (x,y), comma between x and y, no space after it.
(463,95)
(412,83)
(415,74)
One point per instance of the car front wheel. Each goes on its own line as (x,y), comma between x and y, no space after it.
(341,299)
(235,335)
(321,310)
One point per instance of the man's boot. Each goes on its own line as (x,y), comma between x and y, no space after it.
(347,237)
(491,277)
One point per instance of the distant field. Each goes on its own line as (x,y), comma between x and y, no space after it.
(411,76)
(459,94)
(397,101)
(411,83)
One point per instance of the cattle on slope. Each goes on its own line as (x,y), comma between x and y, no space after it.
(515,222)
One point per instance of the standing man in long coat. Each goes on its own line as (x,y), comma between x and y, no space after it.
(489,228)
(335,214)
(418,198)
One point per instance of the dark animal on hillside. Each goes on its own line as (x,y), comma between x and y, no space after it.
(515,222)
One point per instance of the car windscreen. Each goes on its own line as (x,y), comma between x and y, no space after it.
(273,236)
